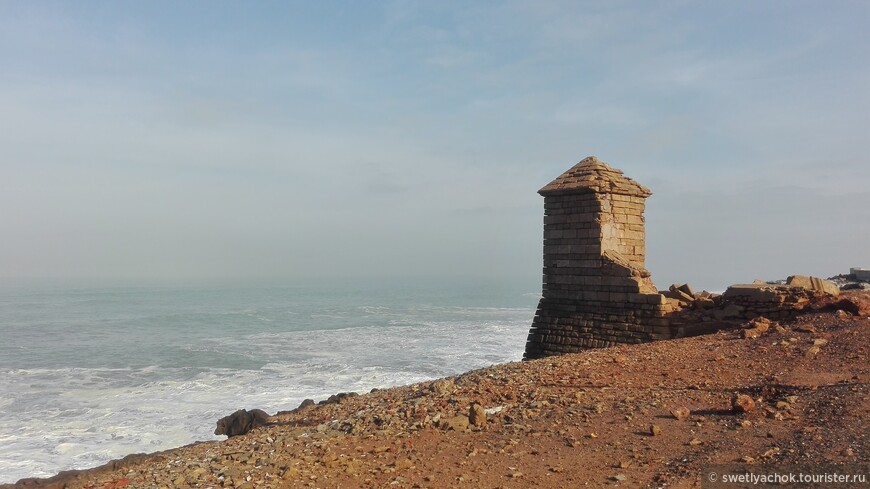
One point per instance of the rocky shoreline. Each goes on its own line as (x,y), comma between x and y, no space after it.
(648,415)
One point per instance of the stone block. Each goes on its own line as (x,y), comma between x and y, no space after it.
(755,292)
(618,297)
(814,283)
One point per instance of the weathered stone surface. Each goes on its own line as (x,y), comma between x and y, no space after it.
(761,323)
(741,403)
(751,333)
(681,413)
(756,291)
(687,289)
(241,422)
(456,423)
(681,292)
(595,176)
(596,290)
(306,403)
(476,414)
(814,283)
(853,304)
(442,387)
(729,311)
(770,300)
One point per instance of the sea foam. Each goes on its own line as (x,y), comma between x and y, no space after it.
(272,357)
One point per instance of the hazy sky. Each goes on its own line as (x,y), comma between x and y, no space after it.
(203,140)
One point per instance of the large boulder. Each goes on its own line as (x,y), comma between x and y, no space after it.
(241,422)
(337,398)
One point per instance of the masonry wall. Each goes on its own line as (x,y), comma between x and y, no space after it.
(572,244)
(596,292)
(626,235)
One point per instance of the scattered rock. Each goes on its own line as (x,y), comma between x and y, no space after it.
(443,387)
(756,327)
(741,403)
(655,430)
(750,334)
(770,452)
(476,415)
(760,323)
(681,413)
(456,423)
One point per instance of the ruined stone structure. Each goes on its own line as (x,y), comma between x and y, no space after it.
(775,301)
(596,291)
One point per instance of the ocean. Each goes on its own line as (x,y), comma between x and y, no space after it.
(91,374)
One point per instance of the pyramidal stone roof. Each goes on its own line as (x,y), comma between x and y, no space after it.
(594,175)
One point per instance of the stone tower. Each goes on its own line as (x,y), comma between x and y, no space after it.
(596,290)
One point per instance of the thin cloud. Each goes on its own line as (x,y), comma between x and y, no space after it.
(263,136)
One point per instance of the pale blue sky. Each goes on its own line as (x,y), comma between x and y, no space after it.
(212,140)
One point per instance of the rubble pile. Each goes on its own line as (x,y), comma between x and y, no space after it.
(741,302)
